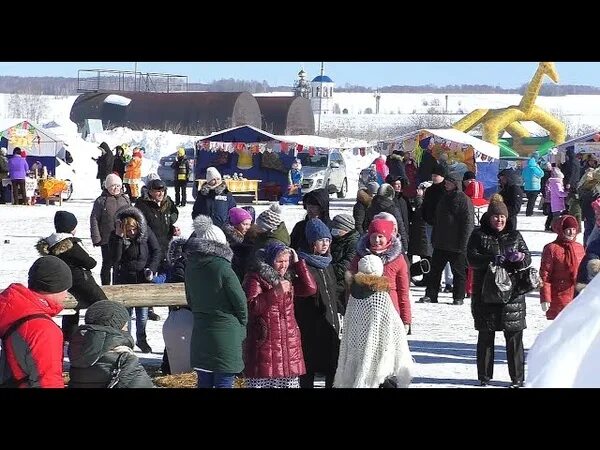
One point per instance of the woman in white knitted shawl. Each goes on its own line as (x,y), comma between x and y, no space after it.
(374,351)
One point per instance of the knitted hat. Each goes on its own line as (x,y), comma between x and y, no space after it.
(212,174)
(386,216)
(270,219)
(468,175)
(315,230)
(251,211)
(64,221)
(440,170)
(112,179)
(387,191)
(50,274)
(272,250)
(205,229)
(344,222)
(108,314)
(497,206)
(380,226)
(373,187)
(569,222)
(371,265)
(238,215)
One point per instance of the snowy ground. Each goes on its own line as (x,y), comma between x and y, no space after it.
(443,340)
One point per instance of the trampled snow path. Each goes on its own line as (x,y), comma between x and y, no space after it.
(443,342)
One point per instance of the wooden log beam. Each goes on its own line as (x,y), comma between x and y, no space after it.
(138,295)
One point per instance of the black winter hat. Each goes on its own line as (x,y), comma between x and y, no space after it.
(440,170)
(64,221)
(157,185)
(50,274)
(107,313)
(468,175)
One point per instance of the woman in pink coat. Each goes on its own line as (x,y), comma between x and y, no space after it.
(556,192)
(380,241)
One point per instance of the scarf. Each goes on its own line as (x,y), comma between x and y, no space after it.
(570,257)
(318,261)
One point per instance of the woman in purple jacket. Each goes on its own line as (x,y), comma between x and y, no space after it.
(17,170)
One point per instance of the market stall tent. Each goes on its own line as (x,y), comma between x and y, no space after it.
(465,150)
(39,143)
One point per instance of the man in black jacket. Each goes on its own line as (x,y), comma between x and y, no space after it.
(451,230)
(512,194)
(105,163)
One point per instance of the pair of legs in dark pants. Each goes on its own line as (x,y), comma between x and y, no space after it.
(105,270)
(458,265)
(531,198)
(515,355)
(180,192)
(18,192)
(307,381)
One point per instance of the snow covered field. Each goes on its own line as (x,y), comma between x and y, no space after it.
(443,342)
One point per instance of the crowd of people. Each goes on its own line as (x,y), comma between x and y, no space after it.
(330,298)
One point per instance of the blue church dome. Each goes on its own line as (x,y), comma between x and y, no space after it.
(322,79)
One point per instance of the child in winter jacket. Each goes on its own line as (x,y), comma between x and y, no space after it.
(374,351)
(101,351)
(560,262)
(64,245)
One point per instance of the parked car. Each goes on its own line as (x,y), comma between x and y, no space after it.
(322,170)
(165,171)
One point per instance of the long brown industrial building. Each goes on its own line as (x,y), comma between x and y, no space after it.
(194,113)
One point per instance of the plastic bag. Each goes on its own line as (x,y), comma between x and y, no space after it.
(497,285)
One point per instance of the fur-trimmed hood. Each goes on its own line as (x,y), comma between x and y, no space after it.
(269,274)
(372,282)
(56,244)
(208,248)
(132,211)
(363,197)
(233,236)
(391,254)
(219,189)
(177,247)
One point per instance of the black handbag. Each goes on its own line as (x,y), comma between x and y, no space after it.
(497,285)
(525,281)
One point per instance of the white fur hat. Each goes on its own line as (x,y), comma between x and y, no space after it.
(371,265)
(204,228)
(211,174)
(3,151)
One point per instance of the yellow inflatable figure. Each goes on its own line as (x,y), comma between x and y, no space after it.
(495,121)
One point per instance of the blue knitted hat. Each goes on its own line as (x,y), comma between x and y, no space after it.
(315,230)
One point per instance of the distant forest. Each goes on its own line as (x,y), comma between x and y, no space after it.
(68,86)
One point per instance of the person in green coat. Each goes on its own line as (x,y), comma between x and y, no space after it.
(219,305)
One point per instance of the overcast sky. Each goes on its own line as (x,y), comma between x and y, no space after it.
(369,74)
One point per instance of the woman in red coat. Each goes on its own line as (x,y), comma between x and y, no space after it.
(273,355)
(560,261)
(382,242)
